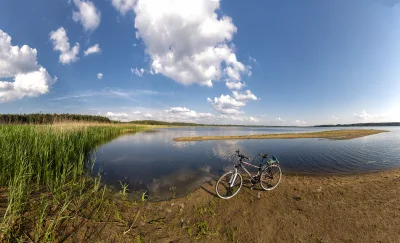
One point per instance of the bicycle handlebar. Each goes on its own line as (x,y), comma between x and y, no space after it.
(241,155)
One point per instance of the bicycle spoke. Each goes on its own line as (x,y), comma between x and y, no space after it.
(224,190)
(271,177)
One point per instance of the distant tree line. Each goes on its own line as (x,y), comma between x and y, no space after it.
(371,124)
(153,122)
(40,118)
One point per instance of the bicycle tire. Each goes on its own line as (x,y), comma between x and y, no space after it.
(271,177)
(224,181)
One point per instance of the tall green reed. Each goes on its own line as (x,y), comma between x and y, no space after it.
(50,158)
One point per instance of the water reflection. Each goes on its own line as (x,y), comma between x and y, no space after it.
(152,161)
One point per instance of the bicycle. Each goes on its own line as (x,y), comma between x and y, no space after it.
(268,176)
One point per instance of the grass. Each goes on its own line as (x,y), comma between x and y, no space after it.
(45,170)
(333,134)
(124,189)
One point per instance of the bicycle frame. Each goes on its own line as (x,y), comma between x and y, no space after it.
(240,165)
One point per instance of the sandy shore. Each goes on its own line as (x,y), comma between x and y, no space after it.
(337,208)
(333,134)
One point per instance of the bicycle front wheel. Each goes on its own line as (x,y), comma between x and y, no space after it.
(271,177)
(229,185)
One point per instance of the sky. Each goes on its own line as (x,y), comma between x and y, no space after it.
(291,63)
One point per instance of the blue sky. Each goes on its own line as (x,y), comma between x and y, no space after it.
(257,62)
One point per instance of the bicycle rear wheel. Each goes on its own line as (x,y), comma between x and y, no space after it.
(224,189)
(271,177)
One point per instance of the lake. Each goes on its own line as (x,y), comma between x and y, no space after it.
(151,161)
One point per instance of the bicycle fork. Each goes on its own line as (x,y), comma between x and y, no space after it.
(233,178)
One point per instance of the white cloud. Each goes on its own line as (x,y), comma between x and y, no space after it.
(117,116)
(124,5)
(252,59)
(107,93)
(300,122)
(92,50)
(30,79)
(236,118)
(226,104)
(246,96)
(148,115)
(234,85)
(252,119)
(185,113)
(99,75)
(138,72)
(180,114)
(335,117)
(87,14)
(363,115)
(280,119)
(231,105)
(186,40)
(60,42)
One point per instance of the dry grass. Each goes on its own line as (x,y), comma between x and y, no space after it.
(333,134)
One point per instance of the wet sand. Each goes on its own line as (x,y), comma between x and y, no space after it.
(333,134)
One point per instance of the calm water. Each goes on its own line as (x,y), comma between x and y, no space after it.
(151,161)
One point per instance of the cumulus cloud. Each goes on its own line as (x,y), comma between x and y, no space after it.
(246,96)
(226,104)
(300,122)
(234,85)
(87,15)
(363,115)
(180,114)
(138,72)
(335,117)
(186,40)
(117,116)
(252,119)
(148,115)
(92,50)
(280,119)
(185,113)
(124,5)
(20,63)
(237,118)
(99,75)
(61,43)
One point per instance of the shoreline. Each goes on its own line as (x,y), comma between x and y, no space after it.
(330,134)
(356,208)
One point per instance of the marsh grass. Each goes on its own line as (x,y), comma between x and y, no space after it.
(46,168)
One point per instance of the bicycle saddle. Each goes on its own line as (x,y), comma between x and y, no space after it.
(264,155)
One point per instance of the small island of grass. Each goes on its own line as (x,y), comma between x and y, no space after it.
(332,134)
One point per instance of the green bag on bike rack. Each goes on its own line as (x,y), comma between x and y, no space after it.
(273,160)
